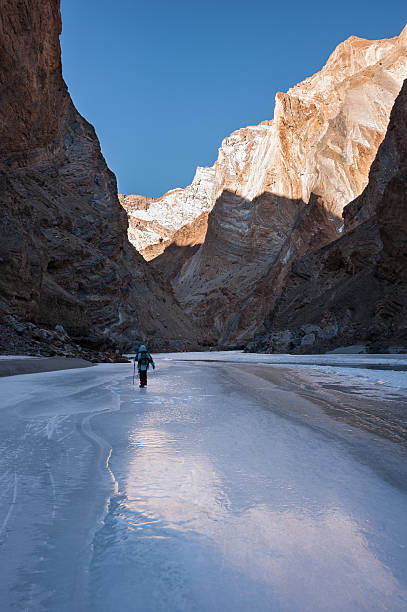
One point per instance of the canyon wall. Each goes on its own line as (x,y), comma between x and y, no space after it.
(154,224)
(354,291)
(65,259)
(276,191)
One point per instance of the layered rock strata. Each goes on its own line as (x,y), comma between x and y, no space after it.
(155,224)
(277,190)
(64,254)
(354,291)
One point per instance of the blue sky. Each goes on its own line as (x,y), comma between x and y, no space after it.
(164,82)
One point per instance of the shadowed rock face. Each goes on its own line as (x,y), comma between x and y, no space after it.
(64,253)
(354,290)
(319,147)
(243,261)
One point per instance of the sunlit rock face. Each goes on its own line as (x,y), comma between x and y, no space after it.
(154,224)
(354,290)
(64,254)
(276,191)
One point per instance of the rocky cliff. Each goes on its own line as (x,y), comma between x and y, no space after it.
(155,224)
(65,258)
(354,291)
(277,190)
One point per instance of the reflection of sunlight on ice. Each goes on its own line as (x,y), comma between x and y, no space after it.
(188,485)
(323,561)
(314,556)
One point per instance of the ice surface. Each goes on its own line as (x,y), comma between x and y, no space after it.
(350,369)
(370,380)
(275,358)
(192,494)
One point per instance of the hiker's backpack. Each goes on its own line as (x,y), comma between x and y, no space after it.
(143,360)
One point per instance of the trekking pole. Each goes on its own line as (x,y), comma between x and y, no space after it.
(134,371)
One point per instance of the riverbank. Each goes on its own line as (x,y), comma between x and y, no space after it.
(372,427)
(14,365)
(383,414)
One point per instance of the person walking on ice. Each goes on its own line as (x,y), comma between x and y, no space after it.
(143,360)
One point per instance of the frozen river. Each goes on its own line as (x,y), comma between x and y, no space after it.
(211,490)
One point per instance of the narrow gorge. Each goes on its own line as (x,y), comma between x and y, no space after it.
(272,248)
(203,396)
